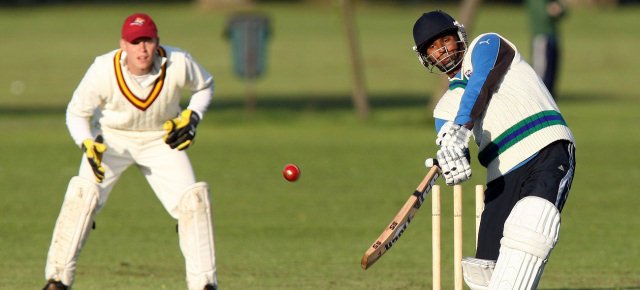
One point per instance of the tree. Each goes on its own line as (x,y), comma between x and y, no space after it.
(359,96)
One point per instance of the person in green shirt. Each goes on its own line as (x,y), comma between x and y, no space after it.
(544,16)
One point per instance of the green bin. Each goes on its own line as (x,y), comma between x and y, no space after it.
(248,34)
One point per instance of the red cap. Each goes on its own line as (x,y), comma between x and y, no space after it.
(139,25)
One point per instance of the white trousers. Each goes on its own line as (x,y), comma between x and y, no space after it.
(168,171)
(171,177)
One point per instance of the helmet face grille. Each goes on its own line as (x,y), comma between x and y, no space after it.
(455,59)
(432,25)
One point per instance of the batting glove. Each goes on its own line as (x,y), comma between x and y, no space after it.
(453,135)
(453,155)
(454,163)
(94,149)
(182,130)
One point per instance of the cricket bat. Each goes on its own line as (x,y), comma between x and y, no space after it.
(401,221)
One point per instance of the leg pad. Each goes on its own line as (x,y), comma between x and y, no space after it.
(71,229)
(530,233)
(195,231)
(477,272)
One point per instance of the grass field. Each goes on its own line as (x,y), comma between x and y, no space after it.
(271,234)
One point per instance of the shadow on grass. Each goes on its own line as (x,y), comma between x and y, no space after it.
(345,102)
(307,102)
(303,101)
(323,102)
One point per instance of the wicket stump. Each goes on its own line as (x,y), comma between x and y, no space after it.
(457,233)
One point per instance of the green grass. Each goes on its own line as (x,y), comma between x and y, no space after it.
(271,234)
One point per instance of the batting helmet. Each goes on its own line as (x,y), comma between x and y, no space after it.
(432,25)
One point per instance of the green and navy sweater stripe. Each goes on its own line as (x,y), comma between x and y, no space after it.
(518,132)
(458,83)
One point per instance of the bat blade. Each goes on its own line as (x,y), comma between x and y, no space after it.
(401,221)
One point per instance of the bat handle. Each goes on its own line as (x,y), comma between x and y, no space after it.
(431,162)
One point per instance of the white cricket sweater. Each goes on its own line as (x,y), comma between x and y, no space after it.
(111,98)
(513,114)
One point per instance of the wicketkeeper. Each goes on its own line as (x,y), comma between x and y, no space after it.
(125,112)
(524,142)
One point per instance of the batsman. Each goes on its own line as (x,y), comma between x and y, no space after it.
(126,111)
(523,142)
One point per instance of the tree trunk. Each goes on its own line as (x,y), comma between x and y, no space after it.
(360,100)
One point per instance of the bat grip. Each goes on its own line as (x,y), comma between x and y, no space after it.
(431,162)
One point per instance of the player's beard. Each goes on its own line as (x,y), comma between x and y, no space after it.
(449,60)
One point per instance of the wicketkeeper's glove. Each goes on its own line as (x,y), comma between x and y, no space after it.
(453,156)
(181,130)
(94,149)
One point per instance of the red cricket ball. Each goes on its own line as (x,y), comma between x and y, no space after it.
(291,172)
